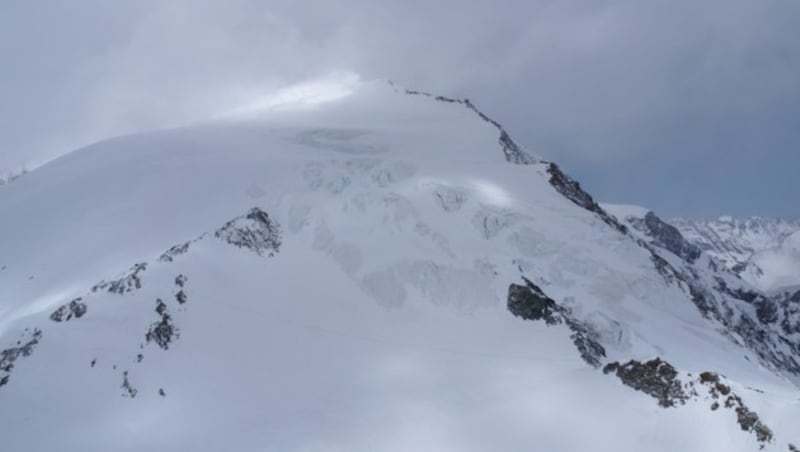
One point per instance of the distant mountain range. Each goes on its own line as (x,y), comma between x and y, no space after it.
(763,251)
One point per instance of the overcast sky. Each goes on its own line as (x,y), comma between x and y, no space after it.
(689,107)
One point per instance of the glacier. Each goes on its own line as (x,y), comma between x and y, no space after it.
(387,270)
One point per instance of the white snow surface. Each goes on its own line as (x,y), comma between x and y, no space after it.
(381,322)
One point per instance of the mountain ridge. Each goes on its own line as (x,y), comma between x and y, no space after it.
(409,254)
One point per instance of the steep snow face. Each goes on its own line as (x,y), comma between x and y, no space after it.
(387,271)
(752,247)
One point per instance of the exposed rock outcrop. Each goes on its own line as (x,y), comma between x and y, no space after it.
(254,231)
(511,150)
(572,190)
(170,254)
(127,283)
(75,308)
(748,420)
(23,348)
(127,388)
(655,378)
(163,332)
(666,236)
(529,302)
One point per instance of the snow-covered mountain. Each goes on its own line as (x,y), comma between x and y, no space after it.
(387,271)
(778,311)
(764,251)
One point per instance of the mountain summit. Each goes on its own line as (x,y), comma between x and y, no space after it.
(385,271)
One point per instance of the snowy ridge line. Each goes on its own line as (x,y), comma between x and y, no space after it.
(571,189)
(254,231)
(529,302)
(772,348)
(512,151)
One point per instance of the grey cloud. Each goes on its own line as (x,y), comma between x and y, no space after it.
(662,103)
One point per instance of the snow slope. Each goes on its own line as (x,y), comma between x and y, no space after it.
(386,271)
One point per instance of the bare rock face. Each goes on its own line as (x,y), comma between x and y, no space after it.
(20,350)
(254,231)
(666,236)
(177,250)
(162,332)
(127,283)
(529,302)
(655,378)
(180,284)
(660,380)
(748,420)
(127,387)
(571,189)
(75,308)
(585,340)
